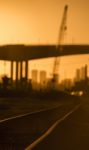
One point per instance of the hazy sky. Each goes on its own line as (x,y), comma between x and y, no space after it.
(38,21)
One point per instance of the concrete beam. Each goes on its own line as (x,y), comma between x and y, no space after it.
(22,52)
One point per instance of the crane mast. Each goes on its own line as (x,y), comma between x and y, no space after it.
(62,30)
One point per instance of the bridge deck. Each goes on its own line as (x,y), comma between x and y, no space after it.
(22,52)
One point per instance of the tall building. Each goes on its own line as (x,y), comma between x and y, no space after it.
(34,78)
(84,72)
(43,78)
(78,74)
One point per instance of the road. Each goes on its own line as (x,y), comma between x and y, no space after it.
(70,134)
(18,133)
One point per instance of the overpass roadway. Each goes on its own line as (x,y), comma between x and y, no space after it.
(23,52)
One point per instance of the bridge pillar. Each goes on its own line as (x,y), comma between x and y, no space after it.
(21,67)
(26,70)
(16,72)
(12,71)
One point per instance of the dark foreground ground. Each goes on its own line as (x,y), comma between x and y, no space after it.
(18,133)
(71,134)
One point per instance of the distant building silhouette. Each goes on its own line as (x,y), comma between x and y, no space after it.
(82,73)
(66,83)
(78,75)
(86,71)
(43,78)
(34,77)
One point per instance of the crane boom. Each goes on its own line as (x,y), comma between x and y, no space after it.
(62,30)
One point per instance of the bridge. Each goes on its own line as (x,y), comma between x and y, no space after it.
(23,53)
(20,53)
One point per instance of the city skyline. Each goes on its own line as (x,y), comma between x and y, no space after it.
(46,64)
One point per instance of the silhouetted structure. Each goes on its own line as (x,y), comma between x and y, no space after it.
(82,73)
(19,69)
(22,52)
(86,72)
(17,54)
(34,78)
(43,79)
(78,75)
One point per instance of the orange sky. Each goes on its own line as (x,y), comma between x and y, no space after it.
(38,22)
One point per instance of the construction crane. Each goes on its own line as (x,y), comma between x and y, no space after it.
(62,30)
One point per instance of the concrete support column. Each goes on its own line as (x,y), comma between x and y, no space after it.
(26,70)
(16,71)
(12,71)
(21,67)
